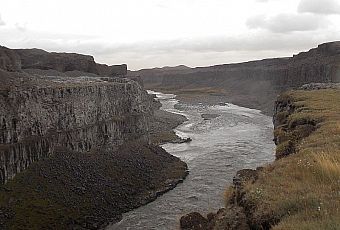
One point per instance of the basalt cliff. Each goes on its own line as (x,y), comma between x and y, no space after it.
(75,145)
(39,114)
(253,84)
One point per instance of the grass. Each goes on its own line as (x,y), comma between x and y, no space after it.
(302,190)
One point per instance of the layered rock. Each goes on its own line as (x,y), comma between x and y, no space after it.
(40,115)
(114,70)
(37,59)
(253,84)
(40,59)
(82,134)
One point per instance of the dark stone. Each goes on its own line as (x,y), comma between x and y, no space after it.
(231,218)
(211,216)
(193,221)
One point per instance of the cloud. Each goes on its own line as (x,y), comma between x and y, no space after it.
(285,23)
(2,23)
(192,51)
(319,6)
(21,27)
(210,51)
(263,1)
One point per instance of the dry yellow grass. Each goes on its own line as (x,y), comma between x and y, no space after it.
(303,189)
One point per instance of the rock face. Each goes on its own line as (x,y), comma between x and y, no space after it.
(193,221)
(22,59)
(62,62)
(235,216)
(40,115)
(288,130)
(114,70)
(254,84)
(82,134)
(9,60)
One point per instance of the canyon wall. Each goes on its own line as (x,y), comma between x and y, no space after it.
(254,84)
(9,60)
(40,114)
(63,62)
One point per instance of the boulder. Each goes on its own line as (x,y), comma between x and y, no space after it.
(193,221)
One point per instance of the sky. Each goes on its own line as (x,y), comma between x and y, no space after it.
(156,33)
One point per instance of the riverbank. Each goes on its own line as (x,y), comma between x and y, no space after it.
(300,190)
(163,125)
(89,190)
(216,95)
(221,145)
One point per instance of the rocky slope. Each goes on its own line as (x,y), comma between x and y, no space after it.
(39,115)
(252,84)
(75,142)
(73,190)
(300,189)
(9,60)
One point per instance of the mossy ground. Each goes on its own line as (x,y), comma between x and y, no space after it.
(302,190)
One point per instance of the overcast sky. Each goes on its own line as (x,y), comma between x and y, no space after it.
(155,33)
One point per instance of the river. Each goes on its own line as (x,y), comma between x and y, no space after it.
(238,138)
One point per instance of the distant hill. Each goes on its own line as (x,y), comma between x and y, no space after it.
(252,84)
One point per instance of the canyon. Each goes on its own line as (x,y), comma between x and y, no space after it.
(253,84)
(79,140)
(40,114)
(307,160)
(73,129)
(299,189)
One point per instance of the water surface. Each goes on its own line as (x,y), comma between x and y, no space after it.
(238,138)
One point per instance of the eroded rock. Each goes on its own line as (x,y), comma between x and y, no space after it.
(193,221)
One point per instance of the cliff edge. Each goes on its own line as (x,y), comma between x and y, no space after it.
(300,190)
(75,146)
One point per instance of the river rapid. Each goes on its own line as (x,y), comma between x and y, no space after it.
(230,138)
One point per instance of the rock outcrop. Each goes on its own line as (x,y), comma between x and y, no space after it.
(289,130)
(114,70)
(37,59)
(64,100)
(39,115)
(9,60)
(237,215)
(62,62)
(252,84)
(76,142)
